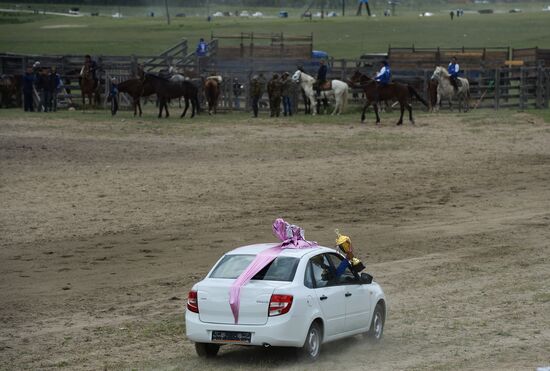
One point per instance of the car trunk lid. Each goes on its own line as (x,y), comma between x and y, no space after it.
(213,299)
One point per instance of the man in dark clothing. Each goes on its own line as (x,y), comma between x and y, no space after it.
(54,84)
(287,92)
(28,88)
(92,65)
(274,91)
(255,94)
(43,90)
(361,2)
(321,76)
(237,90)
(113,97)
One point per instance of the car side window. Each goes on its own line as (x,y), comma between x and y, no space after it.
(323,272)
(344,274)
(308,278)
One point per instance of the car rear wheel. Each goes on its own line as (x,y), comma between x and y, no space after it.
(207,350)
(377,325)
(312,346)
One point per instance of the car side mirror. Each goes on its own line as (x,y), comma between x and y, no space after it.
(366,278)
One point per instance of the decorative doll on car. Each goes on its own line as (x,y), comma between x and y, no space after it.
(344,244)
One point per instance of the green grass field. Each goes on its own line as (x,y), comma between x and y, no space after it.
(341,37)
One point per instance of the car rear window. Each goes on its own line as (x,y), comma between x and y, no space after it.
(283,268)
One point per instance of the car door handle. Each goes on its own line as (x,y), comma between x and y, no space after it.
(348,294)
(324,297)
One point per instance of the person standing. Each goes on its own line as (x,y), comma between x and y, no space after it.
(202,48)
(255,94)
(43,89)
(274,91)
(287,92)
(237,91)
(452,14)
(453,70)
(55,85)
(361,2)
(28,90)
(113,96)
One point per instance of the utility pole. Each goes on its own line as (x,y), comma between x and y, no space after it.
(343,8)
(167,12)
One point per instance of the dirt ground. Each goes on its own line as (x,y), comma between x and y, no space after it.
(106,224)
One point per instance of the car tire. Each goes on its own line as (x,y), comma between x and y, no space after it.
(312,346)
(376,329)
(207,350)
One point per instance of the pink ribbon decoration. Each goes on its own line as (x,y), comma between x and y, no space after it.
(291,237)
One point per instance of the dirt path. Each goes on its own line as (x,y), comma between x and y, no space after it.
(106,225)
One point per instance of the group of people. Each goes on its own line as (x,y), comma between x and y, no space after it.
(280,90)
(46,83)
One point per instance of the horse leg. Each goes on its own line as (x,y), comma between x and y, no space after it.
(402,109)
(365,106)
(409,107)
(186,107)
(336,106)
(166,108)
(375,105)
(161,106)
(438,102)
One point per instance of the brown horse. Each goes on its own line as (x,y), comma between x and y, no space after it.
(88,87)
(166,90)
(375,93)
(135,89)
(212,92)
(10,90)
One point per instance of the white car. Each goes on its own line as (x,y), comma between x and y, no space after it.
(298,300)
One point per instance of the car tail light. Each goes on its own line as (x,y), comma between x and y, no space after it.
(192,302)
(279,304)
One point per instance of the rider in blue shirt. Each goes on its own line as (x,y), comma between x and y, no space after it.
(383,76)
(202,48)
(453,70)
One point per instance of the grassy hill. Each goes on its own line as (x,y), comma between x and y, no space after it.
(348,36)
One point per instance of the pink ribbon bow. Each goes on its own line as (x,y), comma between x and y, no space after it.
(291,237)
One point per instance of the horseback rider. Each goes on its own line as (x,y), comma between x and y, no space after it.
(92,67)
(321,77)
(383,77)
(453,70)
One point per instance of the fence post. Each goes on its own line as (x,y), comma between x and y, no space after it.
(539,88)
(547,92)
(521,88)
(497,88)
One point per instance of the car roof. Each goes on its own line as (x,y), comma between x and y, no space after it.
(257,248)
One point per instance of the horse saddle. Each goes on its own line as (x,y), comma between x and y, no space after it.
(327,85)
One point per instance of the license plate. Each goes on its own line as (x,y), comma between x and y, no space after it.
(231,336)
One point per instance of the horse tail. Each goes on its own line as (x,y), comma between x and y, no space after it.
(413,92)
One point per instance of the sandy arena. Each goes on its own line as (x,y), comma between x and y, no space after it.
(105,225)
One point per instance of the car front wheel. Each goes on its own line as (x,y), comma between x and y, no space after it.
(312,346)
(377,325)
(207,350)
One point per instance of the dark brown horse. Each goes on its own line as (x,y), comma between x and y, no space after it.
(88,87)
(166,90)
(376,93)
(212,92)
(10,90)
(134,88)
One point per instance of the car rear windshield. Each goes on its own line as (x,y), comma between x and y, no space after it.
(282,268)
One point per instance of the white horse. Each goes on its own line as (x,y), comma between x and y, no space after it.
(339,90)
(446,90)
